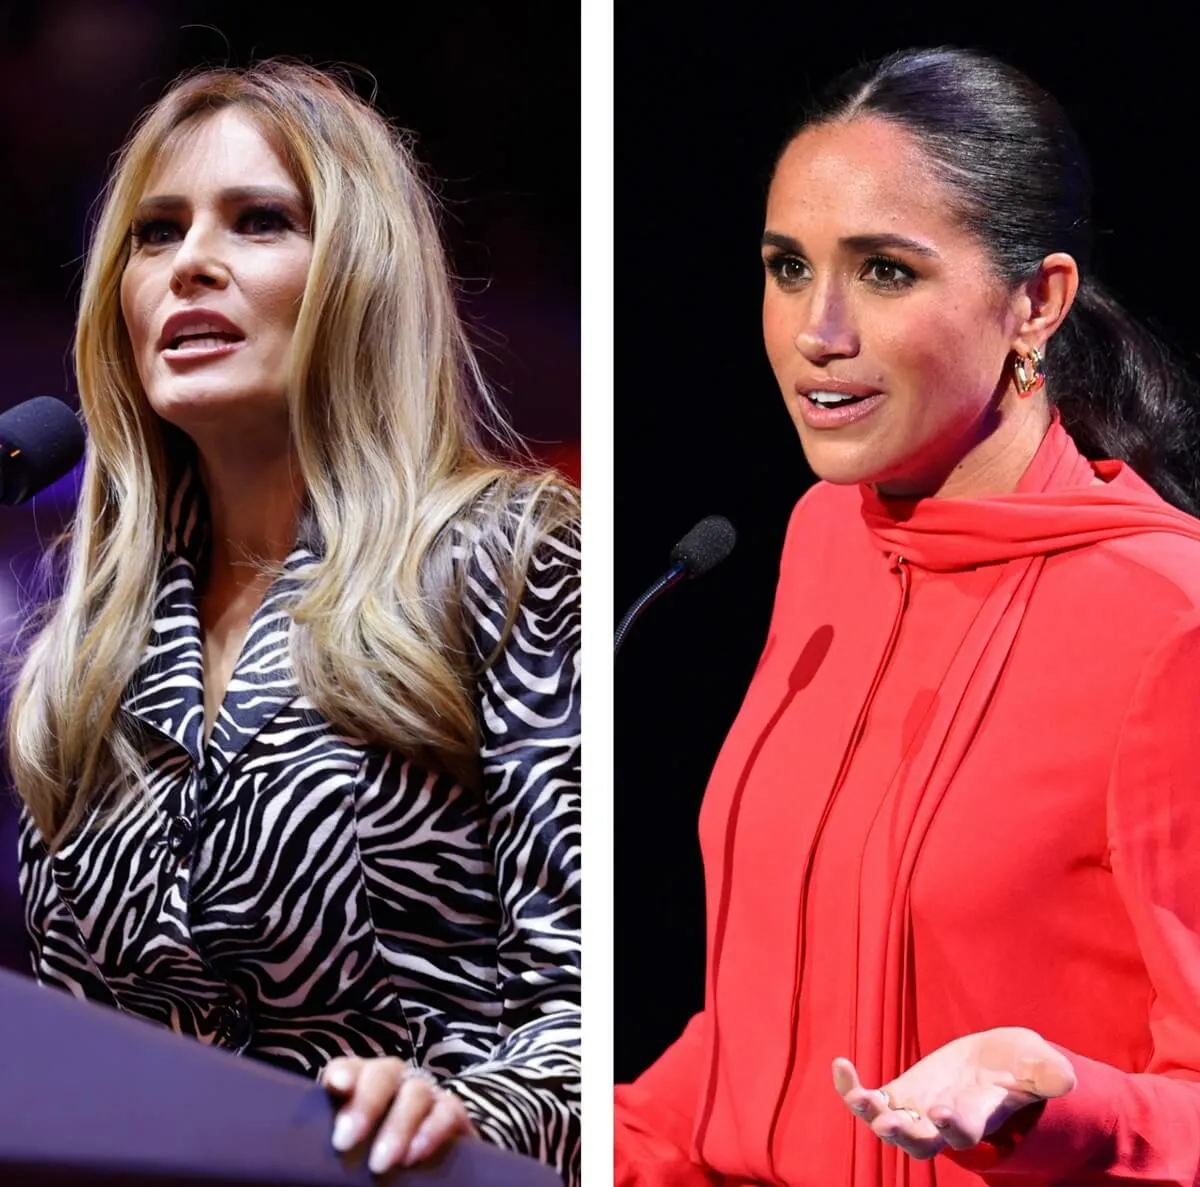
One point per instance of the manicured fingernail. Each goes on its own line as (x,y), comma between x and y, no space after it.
(339,1078)
(382,1154)
(347,1129)
(860,1108)
(417,1149)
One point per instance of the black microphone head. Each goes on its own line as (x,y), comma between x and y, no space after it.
(40,440)
(706,545)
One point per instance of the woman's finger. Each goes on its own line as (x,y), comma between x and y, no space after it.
(965,1115)
(910,1130)
(866,1103)
(374,1091)
(412,1105)
(341,1074)
(447,1121)
(888,1118)
(953,1130)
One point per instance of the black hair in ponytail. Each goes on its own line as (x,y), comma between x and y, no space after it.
(1007,150)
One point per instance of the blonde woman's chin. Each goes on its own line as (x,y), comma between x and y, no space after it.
(206,403)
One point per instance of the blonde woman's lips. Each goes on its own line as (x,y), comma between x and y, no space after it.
(198,330)
(202,349)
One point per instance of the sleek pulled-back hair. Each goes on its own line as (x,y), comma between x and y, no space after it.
(1007,152)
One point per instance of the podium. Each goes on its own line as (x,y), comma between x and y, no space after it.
(95,1098)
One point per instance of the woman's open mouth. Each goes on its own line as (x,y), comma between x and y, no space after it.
(822,409)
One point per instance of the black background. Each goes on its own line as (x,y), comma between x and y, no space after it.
(703,104)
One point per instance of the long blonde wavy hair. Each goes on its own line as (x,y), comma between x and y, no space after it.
(401,449)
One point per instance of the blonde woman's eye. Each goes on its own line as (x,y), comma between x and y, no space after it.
(264,220)
(154,232)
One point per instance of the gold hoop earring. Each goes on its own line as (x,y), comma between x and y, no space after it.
(1030,372)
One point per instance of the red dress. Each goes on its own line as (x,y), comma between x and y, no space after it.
(963,791)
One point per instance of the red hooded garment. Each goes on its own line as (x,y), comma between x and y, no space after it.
(963,792)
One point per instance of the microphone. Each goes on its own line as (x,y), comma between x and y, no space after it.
(40,440)
(704,547)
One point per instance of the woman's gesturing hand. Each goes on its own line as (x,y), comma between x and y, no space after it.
(961,1092)
(410,1117)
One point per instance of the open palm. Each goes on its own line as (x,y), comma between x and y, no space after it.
(961,1092)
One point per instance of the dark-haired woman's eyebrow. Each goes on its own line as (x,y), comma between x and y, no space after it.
(867,244)
(783,242)
(855,244)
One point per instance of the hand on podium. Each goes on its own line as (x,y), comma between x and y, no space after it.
(95,1098)
(411,1117)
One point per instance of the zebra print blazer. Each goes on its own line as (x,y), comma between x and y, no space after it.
(293,894)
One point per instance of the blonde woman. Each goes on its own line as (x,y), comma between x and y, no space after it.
(298,744)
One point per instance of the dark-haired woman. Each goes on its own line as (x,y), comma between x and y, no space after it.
(950,840)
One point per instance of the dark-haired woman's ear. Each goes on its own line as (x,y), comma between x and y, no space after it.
(1044,301)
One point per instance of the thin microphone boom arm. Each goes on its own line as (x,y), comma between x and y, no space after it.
(672,577)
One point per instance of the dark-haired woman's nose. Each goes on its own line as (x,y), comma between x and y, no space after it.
(198,262)
(827,329)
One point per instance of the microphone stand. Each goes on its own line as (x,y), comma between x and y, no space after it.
(672,577)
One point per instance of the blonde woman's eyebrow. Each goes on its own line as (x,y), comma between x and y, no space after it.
(232,196)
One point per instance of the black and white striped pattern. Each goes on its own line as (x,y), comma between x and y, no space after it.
(295,894)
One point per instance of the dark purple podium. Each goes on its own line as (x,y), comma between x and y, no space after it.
(89,1097)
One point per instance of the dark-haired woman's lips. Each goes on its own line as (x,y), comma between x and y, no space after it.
(831,406)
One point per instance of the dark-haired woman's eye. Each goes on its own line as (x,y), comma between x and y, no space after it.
(885,273)
(788,270)
(155,232)
(264,220)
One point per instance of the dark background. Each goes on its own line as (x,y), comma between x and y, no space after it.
(702,107)
(491,91)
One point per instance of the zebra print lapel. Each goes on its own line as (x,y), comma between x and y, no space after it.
(167,690)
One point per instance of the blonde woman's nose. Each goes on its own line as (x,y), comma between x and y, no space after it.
(198,262)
